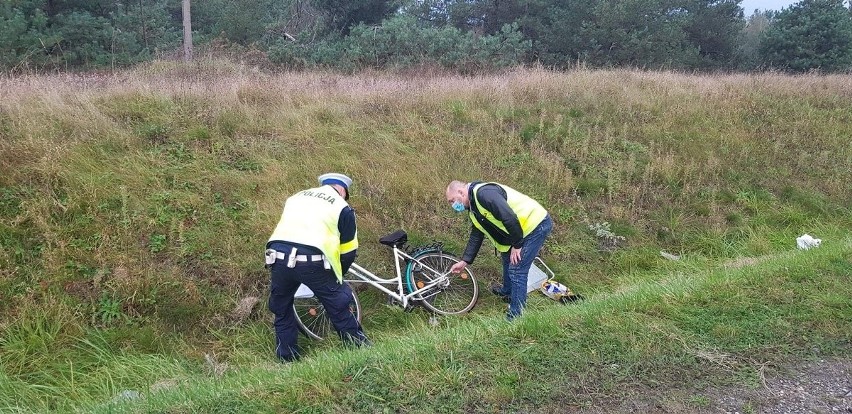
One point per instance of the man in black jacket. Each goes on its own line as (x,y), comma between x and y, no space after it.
(517,226)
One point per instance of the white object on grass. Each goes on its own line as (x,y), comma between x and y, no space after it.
(669,255)
(806,241)
(536,276)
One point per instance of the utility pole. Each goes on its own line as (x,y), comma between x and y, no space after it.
(187,33)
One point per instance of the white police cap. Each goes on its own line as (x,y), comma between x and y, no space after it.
(335,178)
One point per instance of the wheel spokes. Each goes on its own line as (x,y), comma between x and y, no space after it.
(455,294)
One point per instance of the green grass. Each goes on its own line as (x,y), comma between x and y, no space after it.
(714,325)
(134,208)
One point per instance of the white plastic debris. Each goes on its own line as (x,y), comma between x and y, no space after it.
(126,395)
(555,290)
(806,241)
(535,278)
(669,255)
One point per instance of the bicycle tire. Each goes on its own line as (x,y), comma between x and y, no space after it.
(457,296)
(312,318)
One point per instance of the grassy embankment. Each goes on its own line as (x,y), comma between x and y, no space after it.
(134,208)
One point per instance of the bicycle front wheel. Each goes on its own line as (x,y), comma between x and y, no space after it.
(312,317)
(455,293)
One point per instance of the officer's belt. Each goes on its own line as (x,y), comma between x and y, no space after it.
(300,257)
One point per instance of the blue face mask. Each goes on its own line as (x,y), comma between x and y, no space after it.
(458,206)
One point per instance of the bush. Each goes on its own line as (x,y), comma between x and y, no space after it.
(402,42)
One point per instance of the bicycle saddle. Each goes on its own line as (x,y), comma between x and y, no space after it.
(397,238)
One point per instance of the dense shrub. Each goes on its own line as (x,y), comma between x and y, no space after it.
(401,41)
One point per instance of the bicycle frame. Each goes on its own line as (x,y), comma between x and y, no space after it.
(431,287)
(365,276)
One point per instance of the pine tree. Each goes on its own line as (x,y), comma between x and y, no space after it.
(810,35)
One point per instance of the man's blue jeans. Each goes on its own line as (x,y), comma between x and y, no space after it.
(515,276)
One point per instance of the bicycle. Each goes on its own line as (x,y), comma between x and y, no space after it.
(426,280)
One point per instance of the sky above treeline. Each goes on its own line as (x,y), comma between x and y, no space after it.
(749,5)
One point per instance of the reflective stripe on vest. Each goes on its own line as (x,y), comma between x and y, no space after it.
(530,213)
(324,205)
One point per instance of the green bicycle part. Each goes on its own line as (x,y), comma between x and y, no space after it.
(409,280)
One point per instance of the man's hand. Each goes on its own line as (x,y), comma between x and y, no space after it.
(458,267)
(514,256)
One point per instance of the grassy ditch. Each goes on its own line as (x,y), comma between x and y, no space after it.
(690,327)
(134,207)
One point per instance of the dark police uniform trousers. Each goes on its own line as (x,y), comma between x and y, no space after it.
(335,298)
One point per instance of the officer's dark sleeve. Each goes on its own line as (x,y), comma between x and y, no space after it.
(348,238)
(493,198)
(473,245)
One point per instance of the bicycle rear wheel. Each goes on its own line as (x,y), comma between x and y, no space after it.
(312,318)
(455,293)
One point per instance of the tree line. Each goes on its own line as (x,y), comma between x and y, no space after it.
(464,35)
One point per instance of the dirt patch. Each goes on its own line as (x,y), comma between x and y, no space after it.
(83,290)
(741,262)
(822,386)
(243,309)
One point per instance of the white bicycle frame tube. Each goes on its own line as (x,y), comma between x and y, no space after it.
(365,276)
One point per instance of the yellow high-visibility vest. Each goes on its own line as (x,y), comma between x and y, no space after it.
(530,213)
(310,217)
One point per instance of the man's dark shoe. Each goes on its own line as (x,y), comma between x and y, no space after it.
(288,358)
(357,341)
(287,355)
(498,291)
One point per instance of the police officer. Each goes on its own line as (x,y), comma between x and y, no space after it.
(517,226)
(314,244)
